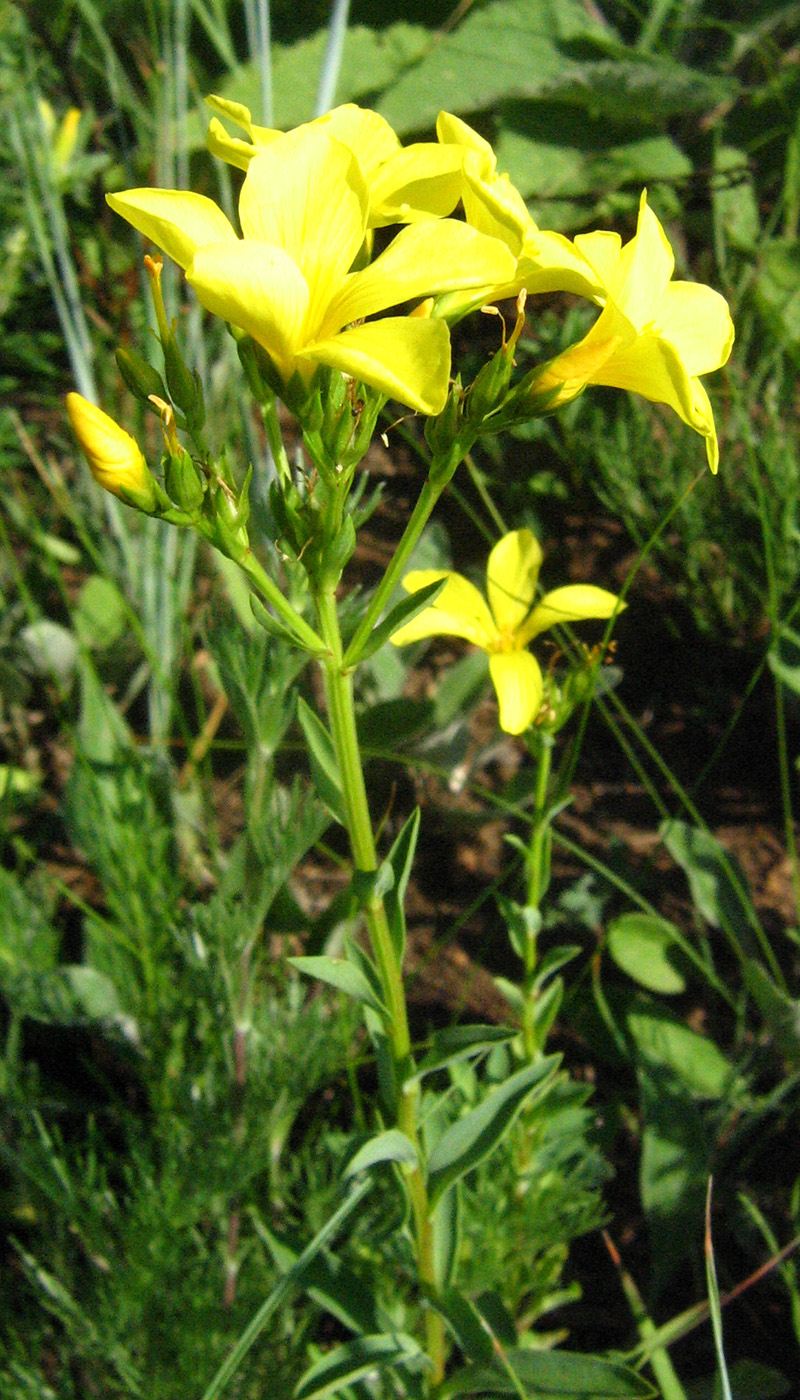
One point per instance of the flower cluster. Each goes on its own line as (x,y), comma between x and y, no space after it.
(299,278)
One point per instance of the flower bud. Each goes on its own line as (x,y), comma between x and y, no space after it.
(114,457)
(184,483)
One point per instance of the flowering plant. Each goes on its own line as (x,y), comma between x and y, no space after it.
(305,295)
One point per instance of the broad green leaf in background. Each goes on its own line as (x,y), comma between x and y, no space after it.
(644,946)
(664,1041)
(718,885)
(781,1012)
(101,616)
(545,1374)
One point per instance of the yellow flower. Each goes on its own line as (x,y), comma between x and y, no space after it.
(428,180)
(654,336)
(505,625)
(303,210)
(114,458)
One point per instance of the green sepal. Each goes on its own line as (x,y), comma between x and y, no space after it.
(142,379)
(184,482)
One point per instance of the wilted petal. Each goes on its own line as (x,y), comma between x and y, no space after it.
(176,221)
(258,288)
(511,575)
(573,603)
(406,358)
(427,257)
(458,611)
(306,194)
(518,681)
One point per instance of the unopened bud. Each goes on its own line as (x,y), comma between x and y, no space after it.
(184,483)
(114,457)
(140,377)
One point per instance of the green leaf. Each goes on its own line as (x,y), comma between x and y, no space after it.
(545,1374)
(101,616)
(401,860)
(322,757)
(780,1011)
(388,723)
(403,612)
(487,59)
(391,1146)
(347,1363)
(462,1043)
(666,1042)
(644,946)
(784,659)
(284,1288)
(344,976)
(50,650)
(718,885)
(472,1138)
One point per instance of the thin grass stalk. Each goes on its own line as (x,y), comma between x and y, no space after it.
(259,44)
(332,60)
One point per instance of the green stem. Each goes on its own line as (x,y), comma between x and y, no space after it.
(439,476)
(341,711)
(262,582)
(537,872)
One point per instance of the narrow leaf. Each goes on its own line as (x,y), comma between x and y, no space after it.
(344,976)
(284,1288)
(391,1146)
(471,1139)
(349,1362)
(322,757)
(550,1375)
(403,612)
(401,860)
(462,1043)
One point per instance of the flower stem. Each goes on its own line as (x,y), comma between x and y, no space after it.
(341,712)
(538,873)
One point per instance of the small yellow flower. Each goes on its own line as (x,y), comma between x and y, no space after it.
(114,457)
(505,625)
(654,336)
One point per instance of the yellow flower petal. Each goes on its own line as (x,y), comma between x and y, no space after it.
(549,262)
(368,135)
(257,287)
(645,267)
(406,358)
(494,206)
(573,603)
(306,194)
(459,611)
(511,576)
(422,181)
(601,250)
(518,681)
(452,130)
(176,221)
(696,320)
(424,258)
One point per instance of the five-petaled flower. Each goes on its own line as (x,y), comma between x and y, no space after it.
(505,625)
(288,282)
(653,336)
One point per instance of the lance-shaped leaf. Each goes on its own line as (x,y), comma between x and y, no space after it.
(344,976)
(391,1146)
(402,613)
(324,768)
(401,859)
(473,1137)
(549,1375)
(349,1362)
(462,1043)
